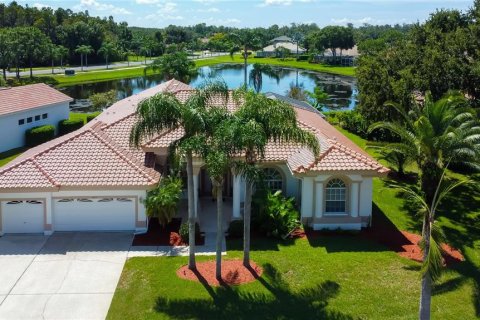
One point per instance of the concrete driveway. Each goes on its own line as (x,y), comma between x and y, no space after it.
(64,276)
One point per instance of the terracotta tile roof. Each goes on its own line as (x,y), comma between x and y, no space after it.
(165,139)
(17,99)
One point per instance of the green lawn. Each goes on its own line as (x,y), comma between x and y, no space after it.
(7,156)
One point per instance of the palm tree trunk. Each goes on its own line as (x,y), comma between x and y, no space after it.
(31,69)
(247,211)
(106,60)
(52,67)
(5,74)
(218,270)
(430,179)
(426,290)
(191,213)
(81,60)
(86,61)
(245,66)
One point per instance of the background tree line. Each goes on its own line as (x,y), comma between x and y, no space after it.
(437,56)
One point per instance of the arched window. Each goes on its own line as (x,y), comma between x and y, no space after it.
(336,197)
(273,179)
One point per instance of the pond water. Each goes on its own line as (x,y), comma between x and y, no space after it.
(342,90)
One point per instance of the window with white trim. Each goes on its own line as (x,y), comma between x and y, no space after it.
(273,179)
(336,197)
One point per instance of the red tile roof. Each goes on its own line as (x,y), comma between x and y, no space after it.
(17,99)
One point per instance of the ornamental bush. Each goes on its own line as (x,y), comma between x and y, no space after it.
(92,116)
(277,217)
(39,135)
(69,125)
(303,57)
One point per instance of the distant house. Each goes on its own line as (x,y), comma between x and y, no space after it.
(342,57)
(272,50)
(25,107)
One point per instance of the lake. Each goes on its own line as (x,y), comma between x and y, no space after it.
(342,90)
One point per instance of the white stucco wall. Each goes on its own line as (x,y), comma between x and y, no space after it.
(139,195)
(359,198)
(10,128)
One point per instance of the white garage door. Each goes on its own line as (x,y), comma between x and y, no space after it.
(94,214)
(23,216)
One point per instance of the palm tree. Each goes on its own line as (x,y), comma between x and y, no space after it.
(107,50)
(256,75)
(258,121)
(432,237)
(173,66)
(83,50)
(433,133)
(62,53)
(165,112)
(243,41)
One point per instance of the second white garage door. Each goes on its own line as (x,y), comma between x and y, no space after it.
(94,214)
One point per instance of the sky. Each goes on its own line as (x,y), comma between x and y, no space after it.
(256,13)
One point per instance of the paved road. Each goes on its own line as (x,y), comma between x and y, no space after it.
(65,276)
(103,66)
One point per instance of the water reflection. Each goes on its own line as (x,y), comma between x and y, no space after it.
(342,90)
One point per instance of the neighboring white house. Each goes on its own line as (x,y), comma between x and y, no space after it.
(25,107)
(92,179)
(281,42)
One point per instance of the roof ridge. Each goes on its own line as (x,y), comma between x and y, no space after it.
(122,153)
(109,125)
(355,154)
(45,173)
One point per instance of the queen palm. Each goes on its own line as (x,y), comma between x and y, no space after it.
(258,121)
(84,51)
(432,237)
(243,41)
(256,75)
(107,50)
(163,112)
(434,134)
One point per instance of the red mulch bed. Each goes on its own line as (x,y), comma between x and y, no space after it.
(404,243)
(158,235)
(233,273)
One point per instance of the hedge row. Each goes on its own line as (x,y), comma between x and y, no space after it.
(67,126)
(39,135)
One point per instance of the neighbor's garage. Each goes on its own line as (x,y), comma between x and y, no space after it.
(23,216)
(94,214)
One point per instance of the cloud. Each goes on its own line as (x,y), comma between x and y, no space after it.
(167,7)
(211,10)
(222,22)
(359,21)
(147,1)
(266,3)
(95,5)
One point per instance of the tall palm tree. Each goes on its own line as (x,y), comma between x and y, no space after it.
(107,50)
(84,51)
(163,112)
(434,134)
(62,53)
(432,237)
(256,75)
(243,41)
(258,121)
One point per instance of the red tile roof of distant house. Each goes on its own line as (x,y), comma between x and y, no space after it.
(17,99)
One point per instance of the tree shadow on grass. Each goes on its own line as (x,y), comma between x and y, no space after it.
(282,303)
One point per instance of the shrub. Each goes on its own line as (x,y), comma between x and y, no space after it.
(303,57)
(103,100)
(162,202)
(184,233)
(235,229)
(278,216)
(39,135)
(69,125)
(92,116)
